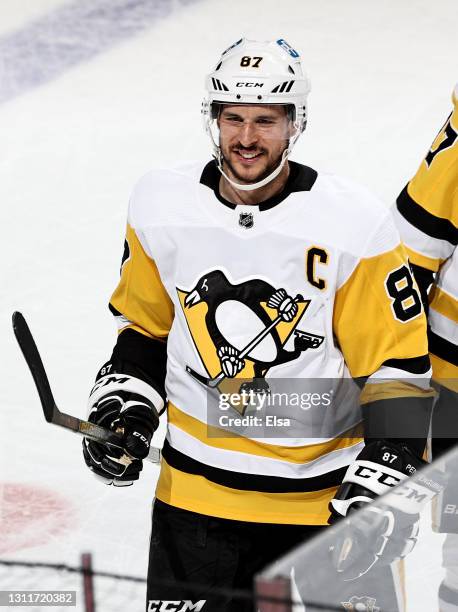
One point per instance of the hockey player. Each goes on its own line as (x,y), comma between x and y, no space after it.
(236,275)
(427,217)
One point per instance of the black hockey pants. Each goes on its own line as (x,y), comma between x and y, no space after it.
(191,554)
(201,550)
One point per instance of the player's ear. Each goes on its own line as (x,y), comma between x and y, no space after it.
(216,112)
(292,129)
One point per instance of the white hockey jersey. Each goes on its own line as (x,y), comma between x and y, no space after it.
(299,294)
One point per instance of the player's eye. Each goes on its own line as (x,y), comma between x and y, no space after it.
(235,119)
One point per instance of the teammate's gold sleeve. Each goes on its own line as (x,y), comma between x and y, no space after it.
(435,185)
(419,259)
(444,372)
(140,295)
(367,319)
(444,303)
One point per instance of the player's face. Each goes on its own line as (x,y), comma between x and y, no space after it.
(252,139)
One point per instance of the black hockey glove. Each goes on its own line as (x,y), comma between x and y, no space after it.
(128,405)
(385,532)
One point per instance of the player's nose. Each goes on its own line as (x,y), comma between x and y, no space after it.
(248,134)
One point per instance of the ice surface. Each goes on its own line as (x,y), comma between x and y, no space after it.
(72,145)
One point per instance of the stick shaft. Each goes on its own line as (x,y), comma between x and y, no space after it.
(51,412)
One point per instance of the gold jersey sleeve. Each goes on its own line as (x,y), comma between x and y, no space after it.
(427,208)
(427,217)
(378,314)
(443,324)
(380,326)
(140,301)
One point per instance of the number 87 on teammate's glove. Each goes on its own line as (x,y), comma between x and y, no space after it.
(387,531)
(129,406)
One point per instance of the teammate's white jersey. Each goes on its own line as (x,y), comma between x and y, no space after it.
(313,284)
(427,217)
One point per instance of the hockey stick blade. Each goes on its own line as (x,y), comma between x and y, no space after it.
(51,412)
(32,356)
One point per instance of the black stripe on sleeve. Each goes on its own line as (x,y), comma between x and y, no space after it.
(250,482)
(433,226)
(414,365)
(443,348)
(113,310)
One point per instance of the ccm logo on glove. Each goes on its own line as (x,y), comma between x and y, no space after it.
(370,473)
(142,437)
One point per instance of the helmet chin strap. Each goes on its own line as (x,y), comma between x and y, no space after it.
(252,186)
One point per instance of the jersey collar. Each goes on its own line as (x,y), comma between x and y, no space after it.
(301,178)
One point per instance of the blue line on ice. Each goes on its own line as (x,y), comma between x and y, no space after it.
(70,35)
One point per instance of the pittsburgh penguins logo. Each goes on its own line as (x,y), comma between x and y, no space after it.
(240,330)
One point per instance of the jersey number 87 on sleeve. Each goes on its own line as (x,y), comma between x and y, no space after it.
(405,301)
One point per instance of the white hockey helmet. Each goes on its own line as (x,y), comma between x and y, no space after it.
(254,72)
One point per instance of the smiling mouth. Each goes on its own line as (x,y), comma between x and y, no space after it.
(247,157)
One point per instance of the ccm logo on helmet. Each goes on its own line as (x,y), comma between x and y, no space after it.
(249,84)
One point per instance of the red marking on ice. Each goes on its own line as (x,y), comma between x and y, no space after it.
(30,516)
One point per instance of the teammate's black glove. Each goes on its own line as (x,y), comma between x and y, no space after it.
(129,406)
(382,533)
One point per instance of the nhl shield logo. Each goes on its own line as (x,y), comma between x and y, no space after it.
(246,220)
(361,604)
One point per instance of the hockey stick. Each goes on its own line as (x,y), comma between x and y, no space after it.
(51,412)
(214,382)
